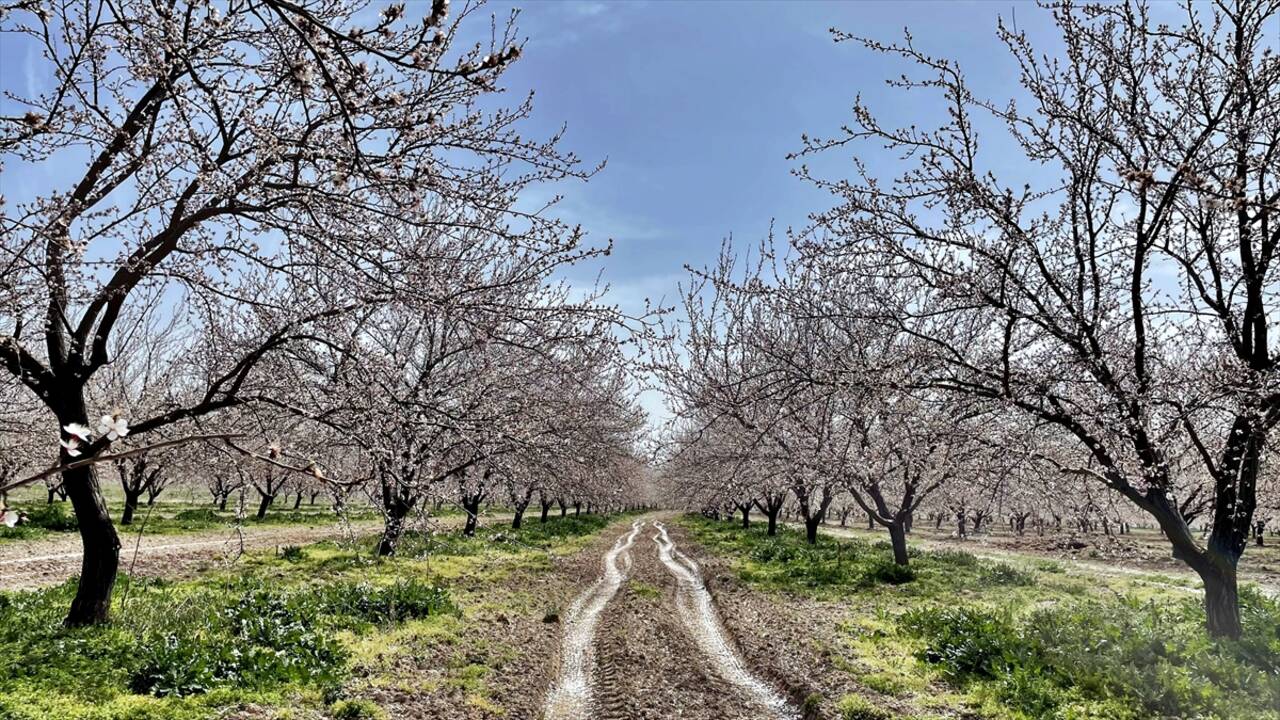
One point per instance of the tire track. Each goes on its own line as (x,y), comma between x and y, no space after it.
(570,695)
(694,603)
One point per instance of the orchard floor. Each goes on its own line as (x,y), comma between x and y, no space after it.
(1142,555)
(643,617)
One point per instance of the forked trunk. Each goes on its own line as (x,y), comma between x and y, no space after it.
(811,528)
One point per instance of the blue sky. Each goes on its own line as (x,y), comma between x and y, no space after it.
(696,105)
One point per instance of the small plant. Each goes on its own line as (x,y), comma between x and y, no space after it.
(53,517)
(402,600)
(645,590)
(1005,574)
(356,710)
(856,707)
(292,554)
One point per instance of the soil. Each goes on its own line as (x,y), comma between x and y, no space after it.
(644,659)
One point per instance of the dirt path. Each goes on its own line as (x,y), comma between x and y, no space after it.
(51,560)
(644,642)
(693,600)
(570,698)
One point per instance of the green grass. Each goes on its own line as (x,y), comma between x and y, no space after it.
(169,519)
(1016,640)
(284,630)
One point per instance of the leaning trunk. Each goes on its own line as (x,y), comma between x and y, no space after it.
(266,503)
(101,559)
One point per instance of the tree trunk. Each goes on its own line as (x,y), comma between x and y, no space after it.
(772,514)
(811,528)
(130,507)
(392,529)
(266,503)
(898,537)
(563,508)
(1222,603)
(222,502)
(92,603)
(577,508)
(546,507)
(518,516)
(52,492)
(746,516)
(297,501)
(472,509)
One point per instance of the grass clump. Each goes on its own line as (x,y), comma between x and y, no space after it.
(1116,659)
(1003,573)
(405,599)
(856,707)
(356,710)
